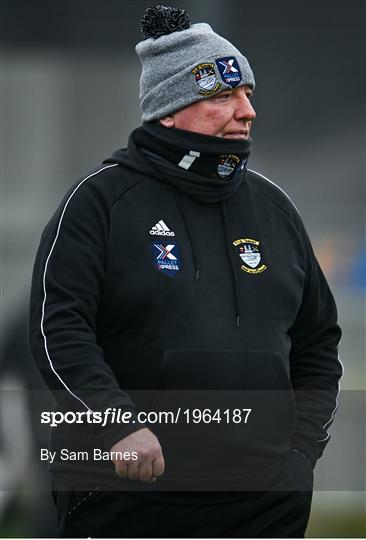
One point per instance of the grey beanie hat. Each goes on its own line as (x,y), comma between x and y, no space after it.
(184,63)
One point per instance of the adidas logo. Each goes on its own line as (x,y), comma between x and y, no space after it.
(161,229)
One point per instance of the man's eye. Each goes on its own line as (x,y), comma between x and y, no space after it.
(224,96)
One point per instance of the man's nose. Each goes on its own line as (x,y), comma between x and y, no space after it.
(244,108)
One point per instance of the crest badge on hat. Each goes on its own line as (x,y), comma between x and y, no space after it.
(229,70)
(206,79)
(250,255)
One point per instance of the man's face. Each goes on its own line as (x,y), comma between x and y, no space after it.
(228,115)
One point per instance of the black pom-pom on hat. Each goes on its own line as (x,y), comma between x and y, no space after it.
(163,20)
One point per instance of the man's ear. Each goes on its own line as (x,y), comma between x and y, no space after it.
(168,121)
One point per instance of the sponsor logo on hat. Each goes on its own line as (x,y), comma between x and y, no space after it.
(229,70)
(250,255)
(206,79)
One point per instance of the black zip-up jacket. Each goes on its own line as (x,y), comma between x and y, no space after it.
(150,278)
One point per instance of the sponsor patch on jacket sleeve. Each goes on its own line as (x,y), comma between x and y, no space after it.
(166,257)
(229,70)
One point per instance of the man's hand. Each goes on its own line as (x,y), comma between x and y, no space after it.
(150,461)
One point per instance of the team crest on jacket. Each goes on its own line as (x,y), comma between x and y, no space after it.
(250,255)
(229,70)
(206,79)
(166,257)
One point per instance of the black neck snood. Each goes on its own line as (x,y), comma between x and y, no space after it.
(208,168)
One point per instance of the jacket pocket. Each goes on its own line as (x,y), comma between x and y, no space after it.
(297,474)
(236,412)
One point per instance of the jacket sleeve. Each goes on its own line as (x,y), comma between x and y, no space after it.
(66,294)
(315,368)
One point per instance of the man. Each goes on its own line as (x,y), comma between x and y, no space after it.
(174,267)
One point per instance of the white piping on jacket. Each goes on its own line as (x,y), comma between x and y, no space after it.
(336,405)
(278,187)
(44,283)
